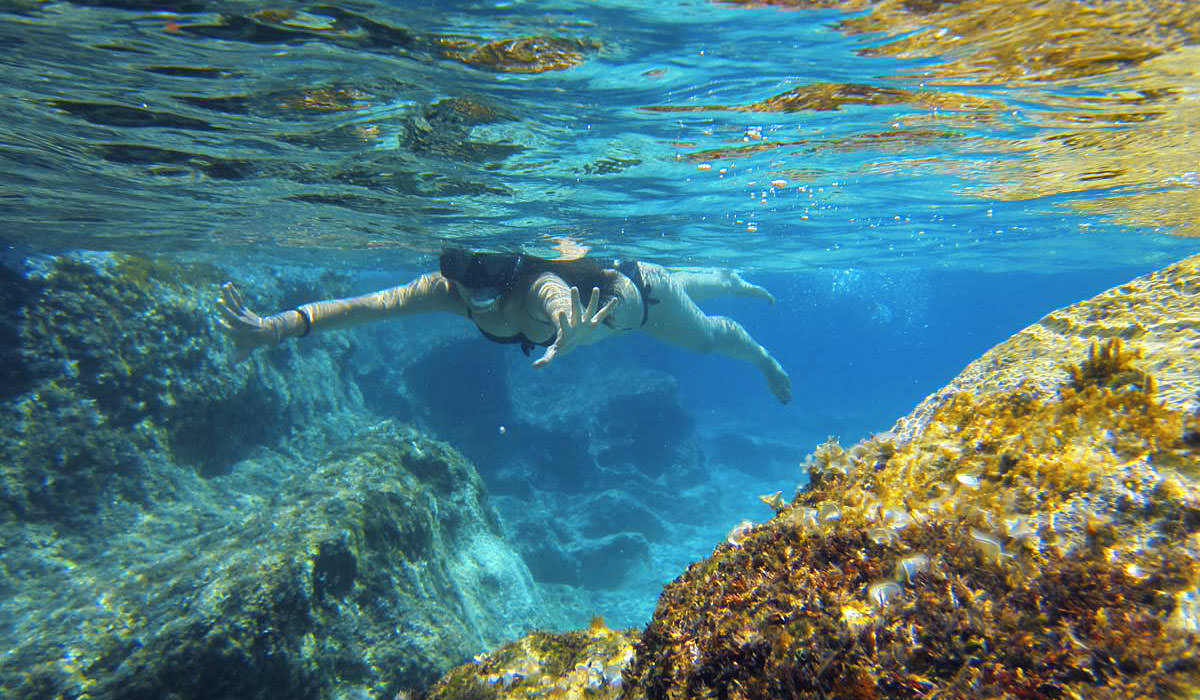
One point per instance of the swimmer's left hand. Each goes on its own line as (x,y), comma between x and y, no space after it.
(579,327)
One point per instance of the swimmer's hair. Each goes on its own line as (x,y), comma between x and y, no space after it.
(452,263)
(480,270)
(476,270)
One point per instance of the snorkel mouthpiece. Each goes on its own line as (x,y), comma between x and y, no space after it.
(485,277)
(483,299)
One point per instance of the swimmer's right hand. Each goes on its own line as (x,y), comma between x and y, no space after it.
(579,327)
(247,329)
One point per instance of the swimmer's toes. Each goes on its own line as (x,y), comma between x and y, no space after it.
(781,386)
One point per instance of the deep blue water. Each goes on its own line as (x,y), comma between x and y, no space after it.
(895,262)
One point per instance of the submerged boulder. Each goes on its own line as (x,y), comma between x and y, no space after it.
(1034,537)
(585,663)
(371,573)
(177,525)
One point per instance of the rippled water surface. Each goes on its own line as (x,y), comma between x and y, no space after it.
(369,134)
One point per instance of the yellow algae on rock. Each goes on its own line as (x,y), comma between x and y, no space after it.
(1065,565)
(573,665)
(1157,318)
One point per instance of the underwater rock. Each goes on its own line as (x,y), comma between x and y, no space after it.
(340,557)
(1036,538)
(633,418)
(584,663)
(372,573)
(1154,316)
(1033,533)
(123,370)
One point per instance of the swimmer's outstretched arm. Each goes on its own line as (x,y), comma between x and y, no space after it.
(428,293)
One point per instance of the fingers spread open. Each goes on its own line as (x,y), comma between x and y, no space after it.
(231,296)
(546,357)
(229,316)
(604,312)
(576,306)
(593,301)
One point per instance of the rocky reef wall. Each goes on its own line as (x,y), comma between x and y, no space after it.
(178,525)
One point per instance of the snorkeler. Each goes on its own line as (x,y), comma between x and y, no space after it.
(537,302)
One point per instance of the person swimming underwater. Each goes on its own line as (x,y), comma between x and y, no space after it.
(537,302)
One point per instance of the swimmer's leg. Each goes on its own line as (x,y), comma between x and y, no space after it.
(675,318)
(702,283)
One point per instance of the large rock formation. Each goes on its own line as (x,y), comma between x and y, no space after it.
(1032,531)
(178,526)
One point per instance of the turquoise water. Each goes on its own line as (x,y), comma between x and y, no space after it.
(901,240)
(146,129)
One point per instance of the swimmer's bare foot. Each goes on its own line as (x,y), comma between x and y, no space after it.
(746,289)
(779,382)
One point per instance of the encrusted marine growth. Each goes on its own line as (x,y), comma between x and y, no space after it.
(573,665)
(1023,546)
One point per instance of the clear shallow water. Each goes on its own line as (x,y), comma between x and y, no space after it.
(902,239)
(307,138)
